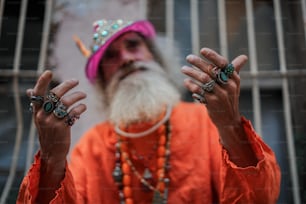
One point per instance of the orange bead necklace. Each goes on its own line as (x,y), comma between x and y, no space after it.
(124,168)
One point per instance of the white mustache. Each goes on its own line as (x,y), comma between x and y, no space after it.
(139,66)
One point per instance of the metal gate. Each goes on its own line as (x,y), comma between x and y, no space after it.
(272,93)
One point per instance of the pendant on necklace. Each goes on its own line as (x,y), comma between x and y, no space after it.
(117,174)
(147,175)
(157,198)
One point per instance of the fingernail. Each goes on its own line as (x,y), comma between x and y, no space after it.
(184,68)
(74,80)
(190,57)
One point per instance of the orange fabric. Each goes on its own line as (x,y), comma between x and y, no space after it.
(201,171)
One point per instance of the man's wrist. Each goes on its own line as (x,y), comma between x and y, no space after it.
(51,164)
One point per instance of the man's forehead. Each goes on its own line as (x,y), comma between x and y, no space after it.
(126,37)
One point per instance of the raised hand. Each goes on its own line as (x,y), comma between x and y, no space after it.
(53,121)
(216,83)
(52,118)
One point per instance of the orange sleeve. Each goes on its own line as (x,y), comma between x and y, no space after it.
(73,186)
(253,184)
(30,184)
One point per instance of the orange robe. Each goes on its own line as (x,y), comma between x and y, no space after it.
(201,171)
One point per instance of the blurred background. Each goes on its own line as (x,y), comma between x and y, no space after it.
(37,34)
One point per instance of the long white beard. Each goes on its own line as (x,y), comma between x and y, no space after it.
(141,96)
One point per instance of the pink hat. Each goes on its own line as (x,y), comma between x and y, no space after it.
(106,31)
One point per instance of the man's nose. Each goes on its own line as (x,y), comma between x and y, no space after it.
(127,57)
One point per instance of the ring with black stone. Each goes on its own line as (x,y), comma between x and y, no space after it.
(71,119)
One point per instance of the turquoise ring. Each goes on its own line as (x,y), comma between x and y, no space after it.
(229,70)
(48,106)
(221,77)
(50,103)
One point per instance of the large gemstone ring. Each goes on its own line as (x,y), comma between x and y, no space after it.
(222,78)
(60,110)
(49,104)
(209,86)
(229,70)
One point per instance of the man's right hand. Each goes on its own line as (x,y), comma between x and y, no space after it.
(53,121)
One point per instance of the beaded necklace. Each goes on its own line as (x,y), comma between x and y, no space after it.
(124,168)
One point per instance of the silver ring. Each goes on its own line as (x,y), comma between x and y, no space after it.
(37,99)
(31,108)
(209,86)
(202,92)
(60,110)
(200,98)
(52,97)
(214,71)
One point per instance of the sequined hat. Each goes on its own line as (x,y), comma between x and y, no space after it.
(105,32)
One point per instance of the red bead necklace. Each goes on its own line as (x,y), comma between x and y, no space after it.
(124,169)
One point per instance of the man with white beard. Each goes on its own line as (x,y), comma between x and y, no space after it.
(153,148)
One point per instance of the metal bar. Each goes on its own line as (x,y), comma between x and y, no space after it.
(275,74)
(245,74)
(1,13)
(45,36)
(21,73)
(17,145)
(40,69)
(222,28)
(144,7)
(286,100)
(253,65)
(303,7)
(194,15)
(18,108)
(170,19)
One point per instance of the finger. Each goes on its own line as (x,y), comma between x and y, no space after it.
(214,57)
(236,78)
(196,74)
(192,86)
(198,62)
(239,62)
(42,83)
(78,109)
(70,99)
(196,88)
(30,92)
(75,114)
(64,87)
